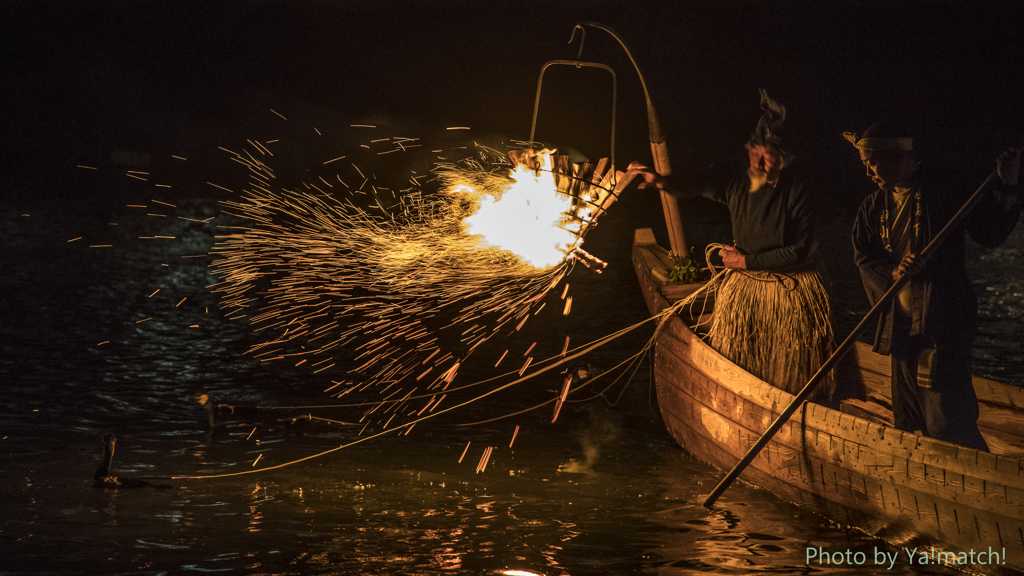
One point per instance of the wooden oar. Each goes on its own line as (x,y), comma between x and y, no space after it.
(844,347)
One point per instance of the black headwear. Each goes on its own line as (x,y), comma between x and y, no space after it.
(769,128)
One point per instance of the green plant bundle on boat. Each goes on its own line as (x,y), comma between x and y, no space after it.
(684,269)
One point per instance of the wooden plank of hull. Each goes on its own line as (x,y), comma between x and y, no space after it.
(833,445)
(897,471)
(999,405)
(694,352)
(726,373)
(880,508)
(988,391)
(868,438)
(825,471)
(852,470)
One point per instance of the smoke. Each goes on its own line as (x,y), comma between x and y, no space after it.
(600,430)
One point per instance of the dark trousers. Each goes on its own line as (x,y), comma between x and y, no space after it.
(941,403)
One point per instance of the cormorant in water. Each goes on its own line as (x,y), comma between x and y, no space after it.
(224,416)
(103,479)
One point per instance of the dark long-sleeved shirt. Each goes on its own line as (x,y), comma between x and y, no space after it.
(943,303)
(772,226)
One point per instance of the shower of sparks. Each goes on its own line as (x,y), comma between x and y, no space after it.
(561,397)
(484,458)
(401,292)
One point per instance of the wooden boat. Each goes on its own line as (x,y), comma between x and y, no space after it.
(849,465)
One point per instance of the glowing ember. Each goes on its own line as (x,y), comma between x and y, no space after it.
(529,218)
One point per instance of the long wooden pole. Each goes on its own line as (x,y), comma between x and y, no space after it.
(844,347)
(659,150)
(669,203)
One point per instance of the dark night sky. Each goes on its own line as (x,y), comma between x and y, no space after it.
(84,78)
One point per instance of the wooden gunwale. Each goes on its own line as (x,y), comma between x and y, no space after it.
(835,463)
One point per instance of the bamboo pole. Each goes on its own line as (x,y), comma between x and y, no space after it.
(659,149)
(845,347)
(669,203)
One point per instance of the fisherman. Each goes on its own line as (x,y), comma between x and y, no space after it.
(928,329)
(772,309)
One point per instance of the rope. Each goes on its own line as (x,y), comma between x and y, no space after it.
(756,275)
(586,349)
(580,386)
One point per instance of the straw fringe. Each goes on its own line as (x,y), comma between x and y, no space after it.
(776,326)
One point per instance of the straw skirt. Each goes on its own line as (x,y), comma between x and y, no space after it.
(776,326)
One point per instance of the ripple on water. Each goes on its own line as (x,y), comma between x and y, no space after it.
(626,501)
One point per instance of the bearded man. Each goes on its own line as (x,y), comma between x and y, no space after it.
(772,314)
(928,330)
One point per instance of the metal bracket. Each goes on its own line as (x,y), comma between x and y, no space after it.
(577,64)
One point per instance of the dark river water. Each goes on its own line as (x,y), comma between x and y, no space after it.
(88,346)
(604,490)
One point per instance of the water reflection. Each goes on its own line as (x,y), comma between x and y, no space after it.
(602,491)
(998,277)
(749,532)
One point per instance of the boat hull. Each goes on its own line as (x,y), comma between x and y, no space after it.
(910,490)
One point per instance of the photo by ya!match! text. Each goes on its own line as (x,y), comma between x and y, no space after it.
(913,556)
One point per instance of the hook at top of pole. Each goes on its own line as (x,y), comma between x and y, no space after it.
(659,148)
(583,39)
(656,136)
